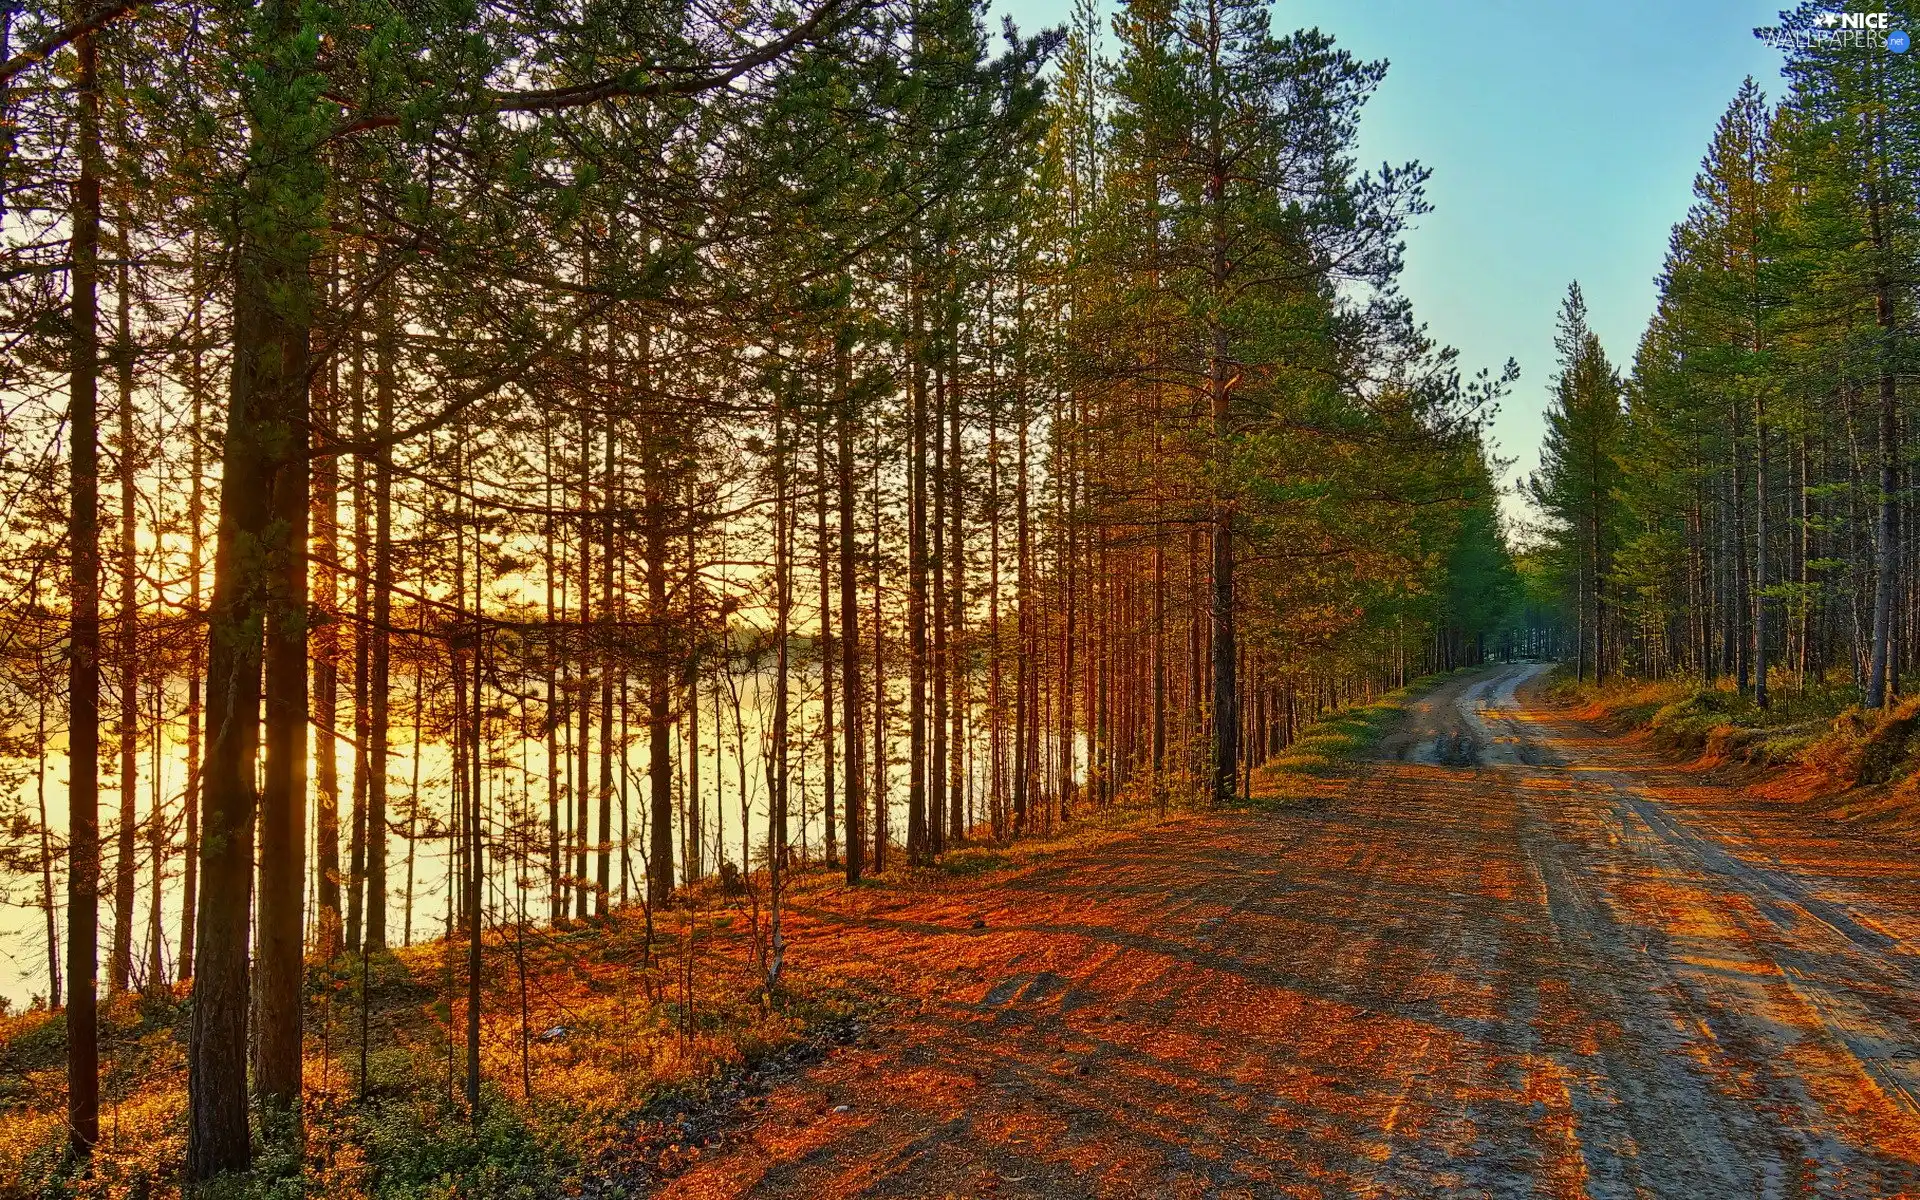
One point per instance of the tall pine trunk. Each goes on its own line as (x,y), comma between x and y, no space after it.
(259,584)
(824,547)
(782,638)
(127,648)
(1025,725)
(917,592)
(659,683)
(380,634)
(555,710)
(955,655)
(603,874)
(83,657)
(279,924)
(326,671)
(196,662)
(1886,541)
(849,616)
(1760,581)
(937,567)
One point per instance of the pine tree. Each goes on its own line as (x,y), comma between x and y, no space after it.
(1579,471)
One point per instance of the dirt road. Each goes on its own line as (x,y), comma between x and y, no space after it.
(1512,957)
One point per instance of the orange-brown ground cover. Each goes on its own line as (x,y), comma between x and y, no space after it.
(1543,964)
(1513,954)
(593,1041)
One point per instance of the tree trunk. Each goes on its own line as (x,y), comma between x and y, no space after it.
(279,923)
(825,576)
(956,651)
(583,884)
(254,588)
(1886,526)
(326,671)
(1024,685)
(196,663)
(1226,720)
(696,814)
(362,665)
(380,652)
(556,711)
(1067,502)
(83,656)
(849,617)
(659,686)
(782,636)
(917,596)
(1760,552)
(996,673)
(120,961)
(476,848)
(603,874)
(937,565)
(879,682)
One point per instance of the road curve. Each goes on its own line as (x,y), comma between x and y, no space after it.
(1512,957)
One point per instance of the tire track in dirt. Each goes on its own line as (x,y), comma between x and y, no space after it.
(1499,961)
(1784,1020)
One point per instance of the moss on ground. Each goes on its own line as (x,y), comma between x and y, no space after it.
(1326,747)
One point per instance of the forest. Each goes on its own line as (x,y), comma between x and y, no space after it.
(1736,507)
(475,472)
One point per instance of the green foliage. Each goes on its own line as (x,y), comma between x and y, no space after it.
(1784,321)
(1575,486)
(427,1150)
(1483,586)
(1242,327)
(1340,738)
(973,860)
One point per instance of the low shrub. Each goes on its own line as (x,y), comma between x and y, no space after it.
(1884,748)
(427,1150)
(1816,729)
(1836,754)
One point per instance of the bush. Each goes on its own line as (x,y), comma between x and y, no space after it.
(429,1150)
(1718,722)
(1702,719)
(1789,745)
(1837,754)
(1884,748)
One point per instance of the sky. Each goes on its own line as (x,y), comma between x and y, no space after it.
(1563,138)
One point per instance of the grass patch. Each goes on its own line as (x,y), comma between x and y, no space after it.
(974,860)
(1332,743)
(1133,807)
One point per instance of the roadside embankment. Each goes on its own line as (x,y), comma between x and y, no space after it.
(1815,747)
(1338,739)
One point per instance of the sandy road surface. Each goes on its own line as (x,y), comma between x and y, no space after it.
(1513,957)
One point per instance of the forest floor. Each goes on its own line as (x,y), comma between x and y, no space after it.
(1511,953)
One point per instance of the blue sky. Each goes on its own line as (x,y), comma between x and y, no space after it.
(1563,139)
